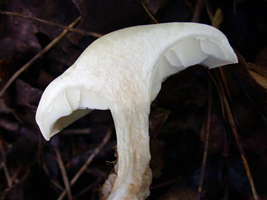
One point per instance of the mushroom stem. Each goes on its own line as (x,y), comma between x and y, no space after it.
(134,174)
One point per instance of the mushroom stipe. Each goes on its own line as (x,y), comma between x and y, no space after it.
(123,71)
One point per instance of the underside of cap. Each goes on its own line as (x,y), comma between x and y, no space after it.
(68,106)
(188,52)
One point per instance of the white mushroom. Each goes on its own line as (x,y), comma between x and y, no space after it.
(123,71)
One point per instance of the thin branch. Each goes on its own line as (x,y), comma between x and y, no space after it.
(9,182)
(160,125)
(3,163)
(97,35)
(13,186)
(52,180)
(96,173)
(39,151)
(219,92)
(149,13)
(81,131)
(15,175)
(28,64)
(209,10)
(88,162)
(63,173)
(89,187)
(234,7)
(197,11)
(211,16)
(206,144)
(171,182)
(236,134)
(90,159)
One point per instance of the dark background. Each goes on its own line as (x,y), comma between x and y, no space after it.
(178,116)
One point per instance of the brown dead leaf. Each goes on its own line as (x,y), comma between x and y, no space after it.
(261,70)
(6,66)
(21,39)
(153,5)
(261,80)
(259,74)
(28,96)
(9,125)
(218,18)
(255,93)
(4,109)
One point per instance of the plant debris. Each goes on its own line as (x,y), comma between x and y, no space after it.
(184,124)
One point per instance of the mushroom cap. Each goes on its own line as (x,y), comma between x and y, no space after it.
(126,68)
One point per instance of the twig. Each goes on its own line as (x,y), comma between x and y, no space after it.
(206,144)
(63,173)
(219,92)
(148,12)
(41,53)
(89,160)
(236,134)
(3,163)
(39,151)
(13,186)
(97,35)
(15,175)
(53,181)
(209,10)
(85,131)
(234,7)
(96,172)
(89,187)
(219,85)
(225,152)
(166,183)
(9,182)
(197,11)
(159,127)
